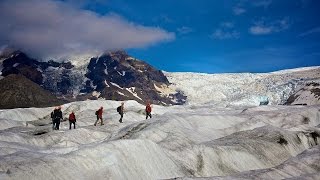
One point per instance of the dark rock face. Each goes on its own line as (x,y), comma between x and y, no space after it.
(308,95)
(19,63)
(18,91)
(291,99)
(114,76)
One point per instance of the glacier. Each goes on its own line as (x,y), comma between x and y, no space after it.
(242,88)
(178,142)
(220,133)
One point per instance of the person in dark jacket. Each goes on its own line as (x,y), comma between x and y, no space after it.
(148,110)
(99,116)
(72,120)
(120,110)
(52,118)
(57,115)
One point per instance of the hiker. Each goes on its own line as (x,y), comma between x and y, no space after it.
(57,115)
(148,110)
(72,120)
(52,119)
(120,110)
(99,116)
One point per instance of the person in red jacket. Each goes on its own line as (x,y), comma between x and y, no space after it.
(99,116)
(72,120)
(148,111)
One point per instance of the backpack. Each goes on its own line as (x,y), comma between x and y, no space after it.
(119,109)
(72,117)
(148,109)
(96,113)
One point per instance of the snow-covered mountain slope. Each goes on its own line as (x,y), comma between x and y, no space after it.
(307,95)
(242,88)
(179,141)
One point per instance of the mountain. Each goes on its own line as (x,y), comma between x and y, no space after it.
(18,91)
(113,75)
(117,76)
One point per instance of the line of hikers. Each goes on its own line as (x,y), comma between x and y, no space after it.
(56,116)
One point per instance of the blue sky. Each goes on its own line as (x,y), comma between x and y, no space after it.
(226,36)
(211,36)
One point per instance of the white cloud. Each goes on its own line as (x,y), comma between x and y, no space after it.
(222,34)
(49,28)
(225,31)
(311,31)
(262,27)
(260,30)
(243,5)
(238,10)
(184,30)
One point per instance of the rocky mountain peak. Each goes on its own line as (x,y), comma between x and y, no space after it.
(114,75)
(118,76)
